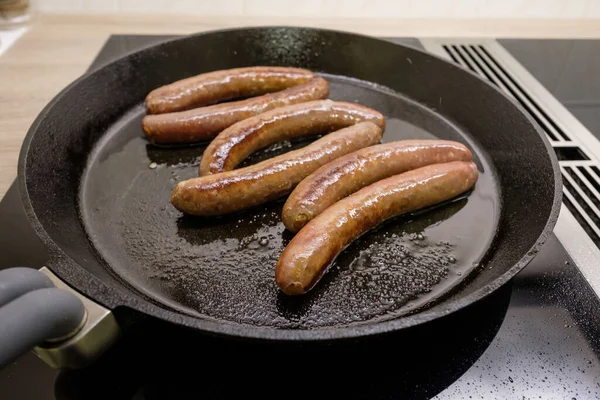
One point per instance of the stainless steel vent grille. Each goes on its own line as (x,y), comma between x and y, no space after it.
(577,150)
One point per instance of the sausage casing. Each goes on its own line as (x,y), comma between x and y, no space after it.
(236,190)
(216,86)
(204,123)
(349,173)
(315,247)
(237,142)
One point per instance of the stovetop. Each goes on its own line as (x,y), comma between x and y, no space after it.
(541,338)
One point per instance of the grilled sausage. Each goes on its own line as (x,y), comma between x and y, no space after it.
(307,256)
(205,123)
(213,87)
(237,142)
(353,171)
(268,180)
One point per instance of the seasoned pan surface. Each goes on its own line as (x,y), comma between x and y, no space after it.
(223,267)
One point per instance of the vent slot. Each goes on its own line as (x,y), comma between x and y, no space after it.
(579,217)
(570,154)
(465,60)
(450,54)
(591,179)
(582,198)
(585,189)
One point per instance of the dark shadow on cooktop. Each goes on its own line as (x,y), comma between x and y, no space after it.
(158,362)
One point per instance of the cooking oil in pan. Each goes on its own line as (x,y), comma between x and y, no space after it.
(223,268)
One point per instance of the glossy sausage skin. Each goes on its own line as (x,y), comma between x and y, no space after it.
(213,87)
(236,190)
(237,142)
(351,172)
(204,123)
(307,256)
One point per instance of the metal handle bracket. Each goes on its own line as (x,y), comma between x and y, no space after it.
(99,332)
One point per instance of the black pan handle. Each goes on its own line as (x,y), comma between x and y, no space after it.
(40,312)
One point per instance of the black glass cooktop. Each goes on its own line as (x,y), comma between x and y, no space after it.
(536,339)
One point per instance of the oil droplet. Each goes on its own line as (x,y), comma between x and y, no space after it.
(153,165)
(420,237)
(263,241)
(451,259)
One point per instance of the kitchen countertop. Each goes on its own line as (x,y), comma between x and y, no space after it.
(58,48)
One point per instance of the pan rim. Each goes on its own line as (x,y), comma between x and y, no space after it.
(78,277)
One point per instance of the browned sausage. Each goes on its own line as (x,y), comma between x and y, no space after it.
(205,123)
(237,142)
(268,180)
(213,87)
(307,256)
(349,173)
